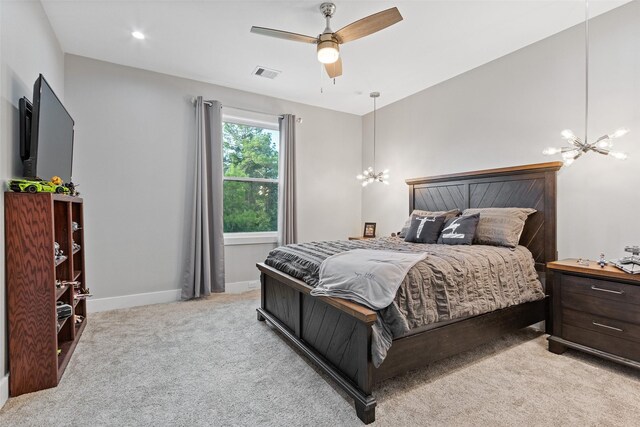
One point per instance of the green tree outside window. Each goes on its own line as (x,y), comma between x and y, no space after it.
(250,163)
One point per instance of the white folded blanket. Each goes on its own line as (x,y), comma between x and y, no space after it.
(368,277)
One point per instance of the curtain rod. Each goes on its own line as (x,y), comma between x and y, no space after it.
(210,103)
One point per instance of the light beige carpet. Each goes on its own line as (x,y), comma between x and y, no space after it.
(210,363)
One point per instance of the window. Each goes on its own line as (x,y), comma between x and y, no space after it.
(250,164)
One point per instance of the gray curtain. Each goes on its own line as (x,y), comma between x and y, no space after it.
(205,263)
(287,224)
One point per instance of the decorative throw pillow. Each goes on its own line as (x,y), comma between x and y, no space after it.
(424,229)
(447,214)
(500,226)
(459,230)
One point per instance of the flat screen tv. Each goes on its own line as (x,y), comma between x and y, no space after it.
(48,150)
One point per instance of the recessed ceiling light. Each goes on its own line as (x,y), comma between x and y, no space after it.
(138,35)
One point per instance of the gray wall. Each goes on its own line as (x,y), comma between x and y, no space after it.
(133,157)
(22,60)
(506,112)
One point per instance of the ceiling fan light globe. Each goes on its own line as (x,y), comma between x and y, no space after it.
(328,51)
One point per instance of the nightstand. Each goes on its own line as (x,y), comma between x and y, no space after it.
(595,310)
(360,238)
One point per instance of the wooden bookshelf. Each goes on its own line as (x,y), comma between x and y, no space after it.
(33,222)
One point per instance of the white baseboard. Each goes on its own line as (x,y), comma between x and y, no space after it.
(135,300)
(4,390)
(239,287)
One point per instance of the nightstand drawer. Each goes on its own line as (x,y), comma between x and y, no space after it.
(601,307)
(603,342)
(603,325)
(614,291)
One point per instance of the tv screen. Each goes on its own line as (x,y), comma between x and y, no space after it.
(50,151)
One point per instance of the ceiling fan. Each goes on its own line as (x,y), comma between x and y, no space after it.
(328,43)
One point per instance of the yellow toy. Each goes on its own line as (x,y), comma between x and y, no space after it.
(56,180)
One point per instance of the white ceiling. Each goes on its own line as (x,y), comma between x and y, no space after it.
(210,41)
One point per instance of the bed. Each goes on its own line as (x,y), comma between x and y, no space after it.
(336,334)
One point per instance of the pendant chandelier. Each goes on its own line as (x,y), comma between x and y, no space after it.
(577,147)
(370,175)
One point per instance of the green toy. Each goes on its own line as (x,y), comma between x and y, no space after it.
(33,186)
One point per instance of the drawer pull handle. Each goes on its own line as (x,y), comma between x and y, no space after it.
(607,326)
(595,288)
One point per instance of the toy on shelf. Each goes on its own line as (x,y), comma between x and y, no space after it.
(602,262)
(631,263)
(36,186)
(72,189)
(58,253)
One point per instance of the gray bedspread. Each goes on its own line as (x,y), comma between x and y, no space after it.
(452,282)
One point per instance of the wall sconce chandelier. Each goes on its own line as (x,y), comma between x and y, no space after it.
(369,175)
(578,147)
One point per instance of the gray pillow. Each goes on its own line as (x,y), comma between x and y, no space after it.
(447,214)
(459,230)
(500,226)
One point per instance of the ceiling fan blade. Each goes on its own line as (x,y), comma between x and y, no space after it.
(369,25)
(334,70)
(284,35)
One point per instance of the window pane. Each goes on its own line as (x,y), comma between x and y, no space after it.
(250,206)
(250,151)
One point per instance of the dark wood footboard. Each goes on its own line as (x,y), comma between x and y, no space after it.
(335,334)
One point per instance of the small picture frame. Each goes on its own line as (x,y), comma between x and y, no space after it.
(369,229)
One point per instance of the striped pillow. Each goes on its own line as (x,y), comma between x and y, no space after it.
(499,226)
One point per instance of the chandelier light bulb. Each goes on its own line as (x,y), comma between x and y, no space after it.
(550,151)
(619,133)
(359,177)
(605,143)
(568,134)
(569,161)
(618,155)
(364,183)
(569,154)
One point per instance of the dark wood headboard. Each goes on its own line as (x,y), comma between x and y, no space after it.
(527,186)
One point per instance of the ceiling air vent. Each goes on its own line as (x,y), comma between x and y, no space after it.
(266,72)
